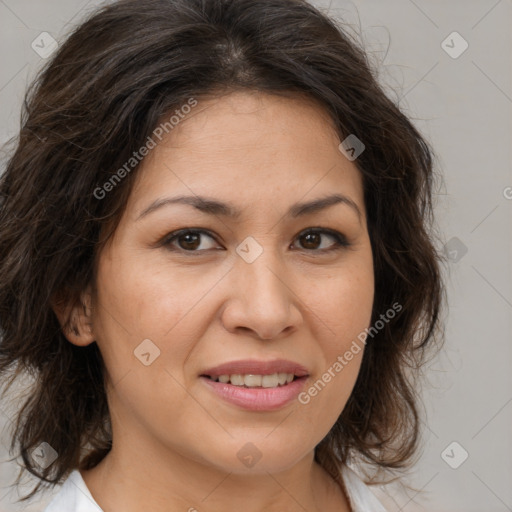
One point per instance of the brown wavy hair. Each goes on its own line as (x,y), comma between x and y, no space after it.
(96,101)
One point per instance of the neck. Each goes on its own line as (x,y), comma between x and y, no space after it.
(126,480)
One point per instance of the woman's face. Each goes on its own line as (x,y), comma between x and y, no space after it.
(270,290)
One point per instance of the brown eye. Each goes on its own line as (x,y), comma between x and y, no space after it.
(189,240)
(312,239)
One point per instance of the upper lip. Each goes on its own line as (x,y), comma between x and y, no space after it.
(254,367)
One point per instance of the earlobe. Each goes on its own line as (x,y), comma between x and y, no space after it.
(76,319)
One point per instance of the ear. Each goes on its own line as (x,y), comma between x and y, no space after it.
(76,319)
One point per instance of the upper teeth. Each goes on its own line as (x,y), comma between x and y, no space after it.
(254,381)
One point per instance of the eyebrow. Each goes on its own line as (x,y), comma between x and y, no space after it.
(213,207)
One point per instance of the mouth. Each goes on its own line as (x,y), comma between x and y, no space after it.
(256,385)
(249,380)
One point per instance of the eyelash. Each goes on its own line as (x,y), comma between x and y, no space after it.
(340,240)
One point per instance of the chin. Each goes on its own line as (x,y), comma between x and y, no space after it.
(262,453)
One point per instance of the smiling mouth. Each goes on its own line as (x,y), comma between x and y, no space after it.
(255,381)
(261,386)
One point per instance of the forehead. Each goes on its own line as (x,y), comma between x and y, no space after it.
(239,119)
(246,144)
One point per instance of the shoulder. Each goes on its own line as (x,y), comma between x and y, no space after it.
(73,496)
(359,494)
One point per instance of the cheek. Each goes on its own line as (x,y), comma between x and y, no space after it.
(324,398)
(142,297)
(350,308)
(343,302)
(139,301)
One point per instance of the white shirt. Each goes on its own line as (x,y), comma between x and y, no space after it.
(74,496)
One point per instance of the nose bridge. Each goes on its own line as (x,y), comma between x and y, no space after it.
(263,297)
(263,277)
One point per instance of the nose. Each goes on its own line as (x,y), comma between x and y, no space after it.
(262,299)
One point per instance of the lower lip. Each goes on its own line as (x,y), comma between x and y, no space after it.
(257,399)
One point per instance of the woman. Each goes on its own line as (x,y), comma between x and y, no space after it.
(216,260)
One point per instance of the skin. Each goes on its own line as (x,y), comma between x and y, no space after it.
(175,442)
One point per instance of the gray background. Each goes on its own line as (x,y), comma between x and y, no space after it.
(463,106)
